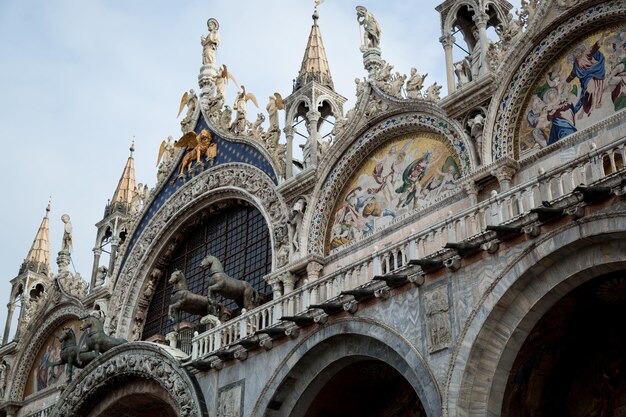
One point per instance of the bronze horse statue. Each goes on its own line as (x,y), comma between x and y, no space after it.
(96,340)
(184,300)
(70,354)
(241,291)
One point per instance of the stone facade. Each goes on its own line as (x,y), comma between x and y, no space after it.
(447,297)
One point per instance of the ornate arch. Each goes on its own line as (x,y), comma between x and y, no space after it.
(515,301)
(142,360)
(331,102)
(294,108)
(505,110)
(352,337)
(228,181)
(339,166)
(32,341)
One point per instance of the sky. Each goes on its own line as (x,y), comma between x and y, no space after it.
(80,79)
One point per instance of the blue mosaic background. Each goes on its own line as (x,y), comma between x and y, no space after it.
(227,152)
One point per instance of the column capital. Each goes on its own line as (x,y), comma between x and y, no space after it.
(480,18)
(447,40)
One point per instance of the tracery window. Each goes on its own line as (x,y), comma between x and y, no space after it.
(239,237)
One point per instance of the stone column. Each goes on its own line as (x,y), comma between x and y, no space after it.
(504,175)
(372,61)
(447,41)
(277,291)
(313,270)
(472,192)
(289,132)
(7,326)
(289,282)
(96,264)
(481,18)
(312,143)
(114,245)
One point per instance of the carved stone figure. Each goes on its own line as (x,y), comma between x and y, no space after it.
(432,92)
(101,275)
(274,104)
(509,31)
(396,84)
(414,84)
(210,43)
(241,107)
(3,378)
(166,155)
(70,354)
(371,35)
(189,100)
(241,291)
(256,131)
(66,244)
(184,300)
(225,117)
(475,57)
(476,125)
(462,71)
(360,88)
(437,309)
(222,78)
(96,340)
(295,223)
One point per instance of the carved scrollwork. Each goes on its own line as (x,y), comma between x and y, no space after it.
(142,359)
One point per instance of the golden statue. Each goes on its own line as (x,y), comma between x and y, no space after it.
(198,145)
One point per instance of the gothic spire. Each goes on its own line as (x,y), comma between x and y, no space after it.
(38,258)
(126,186)
(314,63)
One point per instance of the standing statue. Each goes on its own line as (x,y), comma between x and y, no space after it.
(241,108)
(222,79)
(295,223)
(210,43)
(66,244)
(475,58)
(3,378)
(239,290)
(476,125)
(189,99)
(274,104)
(371,35)
(166,152)
(414,84)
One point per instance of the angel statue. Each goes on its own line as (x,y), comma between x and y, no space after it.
(189,99)
(198,146)
(371,36)
(210,43)
(275,103)
(241,108)
(222,79)
(166,151)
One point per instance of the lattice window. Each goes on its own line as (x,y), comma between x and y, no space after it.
(238,236)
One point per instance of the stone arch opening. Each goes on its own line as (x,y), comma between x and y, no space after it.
(360,386)
(333,355)
(573,362)
(135,398)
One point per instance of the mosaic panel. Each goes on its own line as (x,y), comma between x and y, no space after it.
(584,84)
(403,175)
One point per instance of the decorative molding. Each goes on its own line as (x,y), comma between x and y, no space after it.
(501,133)
(338,171)
(227,181)
(132,360)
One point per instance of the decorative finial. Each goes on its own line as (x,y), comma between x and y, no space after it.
(132,146)
(315,15)
(48,207)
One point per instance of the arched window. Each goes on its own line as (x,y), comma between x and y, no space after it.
(239,237)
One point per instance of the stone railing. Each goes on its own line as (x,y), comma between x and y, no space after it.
(45,412)
(500,208)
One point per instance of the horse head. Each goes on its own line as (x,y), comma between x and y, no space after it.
(90,322)
(213,263)
(66,333)
(177,278)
